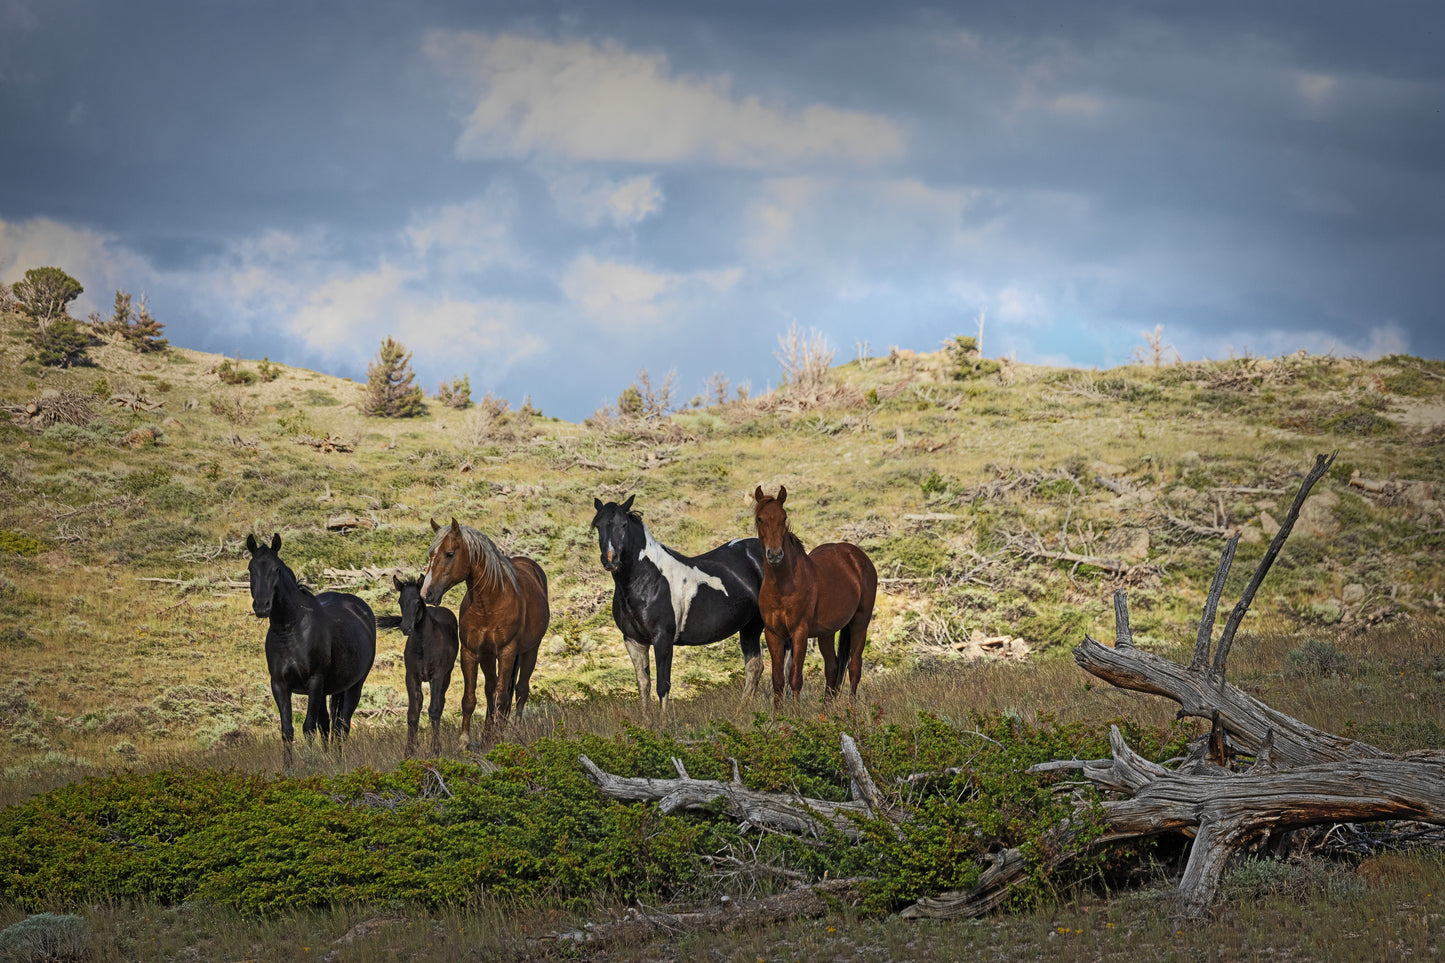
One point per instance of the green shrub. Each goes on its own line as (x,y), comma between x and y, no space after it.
(45,936)
(231,373)
(18,544)
(537,828)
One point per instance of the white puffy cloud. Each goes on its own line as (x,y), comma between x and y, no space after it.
(625,297)
(588,200)
(99,262)
(468,235)
(349,314)
(600,102)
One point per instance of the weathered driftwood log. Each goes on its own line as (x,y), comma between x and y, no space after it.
(777,812)
(1223,810)
(1301,776)
(727,914)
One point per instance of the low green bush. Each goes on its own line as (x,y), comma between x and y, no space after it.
(444,833)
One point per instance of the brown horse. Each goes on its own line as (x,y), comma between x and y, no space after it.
(502,619)
(811,595)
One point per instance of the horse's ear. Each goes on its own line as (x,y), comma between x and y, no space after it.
(782,494)
(396,582)
(597,503)
(758,495)
(434,526)
(276,542)
(455,527)
(627,505)
(251,545)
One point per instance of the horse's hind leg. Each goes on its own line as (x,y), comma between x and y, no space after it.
(752,661)
(343,704)
(316,714)
(522,677)
(857,632)
(830,663)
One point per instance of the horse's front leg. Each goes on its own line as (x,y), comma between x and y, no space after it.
(488,661)
(663,651)
(637,652)
(800,649)
(413,707)
(775,658)
(282,695)
(439,683)
(469,695)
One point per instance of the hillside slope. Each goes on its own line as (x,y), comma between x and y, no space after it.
(972,492)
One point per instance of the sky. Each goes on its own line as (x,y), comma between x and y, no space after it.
(551,197)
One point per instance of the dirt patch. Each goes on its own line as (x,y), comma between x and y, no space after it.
(1421,413)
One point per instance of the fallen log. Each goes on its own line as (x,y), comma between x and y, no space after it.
(1300,776)
(775,812)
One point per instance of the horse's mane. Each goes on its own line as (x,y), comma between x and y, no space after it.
(291,577)
(797,542)
(495,565)
(411,582)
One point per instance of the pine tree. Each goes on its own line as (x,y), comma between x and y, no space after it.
(456,393)
(45,293)
(390,392)
(142,332)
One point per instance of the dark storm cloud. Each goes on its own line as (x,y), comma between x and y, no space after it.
(299,179)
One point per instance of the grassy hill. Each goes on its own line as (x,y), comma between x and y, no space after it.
(1002,505)
(126,635)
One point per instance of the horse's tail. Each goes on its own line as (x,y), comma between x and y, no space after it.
(388,621)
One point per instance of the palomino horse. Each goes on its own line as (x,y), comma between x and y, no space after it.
(317,644)
(662,598)
(502,618)
(430,655)
(811,595)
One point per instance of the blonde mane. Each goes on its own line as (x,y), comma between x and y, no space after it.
(495,566)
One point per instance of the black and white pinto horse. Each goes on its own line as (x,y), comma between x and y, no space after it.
(662,598)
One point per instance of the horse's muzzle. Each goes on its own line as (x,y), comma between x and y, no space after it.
(774,556)
(611,562)
(262,612)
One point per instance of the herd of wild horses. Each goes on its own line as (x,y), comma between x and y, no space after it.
(770,586)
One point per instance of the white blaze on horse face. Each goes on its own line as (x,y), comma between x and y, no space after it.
(681,578)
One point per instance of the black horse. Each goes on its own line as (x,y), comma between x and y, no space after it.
(321,645)
(662,598)
(430,655)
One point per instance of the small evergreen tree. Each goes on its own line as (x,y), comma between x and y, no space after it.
(119,319)
(456,393)
(390,392)
(60,344)
(45,293)
(141,331)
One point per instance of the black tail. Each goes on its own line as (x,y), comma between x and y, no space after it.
(388,621)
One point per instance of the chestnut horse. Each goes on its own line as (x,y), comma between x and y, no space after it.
(502,618)
(811,595)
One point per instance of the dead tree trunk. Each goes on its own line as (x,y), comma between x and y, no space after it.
(1301,776)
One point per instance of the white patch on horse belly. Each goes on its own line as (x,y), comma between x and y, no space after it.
(683,580)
